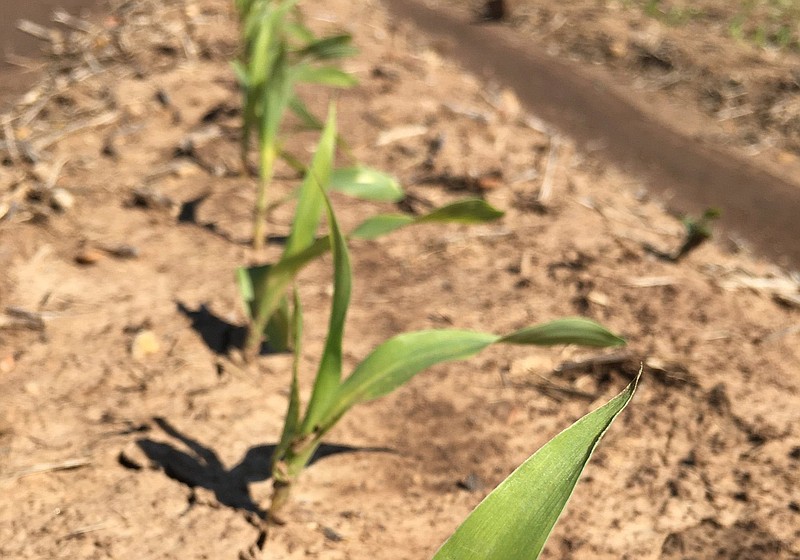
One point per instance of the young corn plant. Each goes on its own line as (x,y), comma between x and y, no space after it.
(515,520)
(263,288)
(279,52)
(387,367)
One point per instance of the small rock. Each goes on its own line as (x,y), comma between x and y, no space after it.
(88,256)
(122,251)
(61,200)
(7,363)
(150,198)
(145,343)
(472,483)
(32,388)
(598,298)
(332,535)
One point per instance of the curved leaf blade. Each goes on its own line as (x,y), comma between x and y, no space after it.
(469,211)
(377,226)
(278,277)
(310,201)
(366,183)
(292,419)
(397,360)
(570,330)
(329,374)
(515,520)
(324,75)
(328,48)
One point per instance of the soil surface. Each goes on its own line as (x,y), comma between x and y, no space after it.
(130,426)
(644,111)
(19,50)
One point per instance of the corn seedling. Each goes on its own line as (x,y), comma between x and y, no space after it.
(279,52)
(386,368)
(515,520)
(263,288)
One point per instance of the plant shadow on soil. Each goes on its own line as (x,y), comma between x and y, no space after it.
(201,467)
(219,335)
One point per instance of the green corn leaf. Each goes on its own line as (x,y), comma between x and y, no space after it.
(247,278)
(312,192)
(275,99)
(323,75)
(376,226)
(270,282)
(298,31)
(278,330)
(251,281)
(328,48)
(514,521)
(570,330)
(366,183)
(329,374)
(240,70)
(307,118)
(399,359)
(292,420)
(470,211)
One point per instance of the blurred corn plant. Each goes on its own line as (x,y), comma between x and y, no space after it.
(263,288)
(387,367)
(515,520)
(279,52)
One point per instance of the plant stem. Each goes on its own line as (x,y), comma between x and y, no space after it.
(280,497)
(267,163)
(285,470)
(252,343)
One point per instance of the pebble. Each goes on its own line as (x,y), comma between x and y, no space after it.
(144,344)
(88,256)
(61,200)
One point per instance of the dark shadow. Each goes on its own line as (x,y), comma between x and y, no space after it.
(455,183)
(188,215)
(201,467)
(219,335)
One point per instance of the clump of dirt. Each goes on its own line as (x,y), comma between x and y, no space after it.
(131,428)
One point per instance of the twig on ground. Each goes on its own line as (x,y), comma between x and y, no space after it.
(65,18)
(87,529)
(93,122)
(788,331)
(651,281)
(38,31)
(40,468)
(11,141)
(546,192)
(17,318)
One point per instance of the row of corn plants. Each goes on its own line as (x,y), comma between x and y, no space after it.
(514,520)
(279,53)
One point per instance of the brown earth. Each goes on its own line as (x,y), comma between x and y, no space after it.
(129,427)
(648,114)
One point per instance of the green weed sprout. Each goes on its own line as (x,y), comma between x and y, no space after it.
(263,288)
(515,520)
(387,367)
(279,52)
